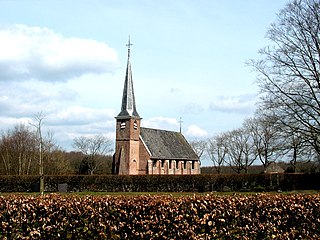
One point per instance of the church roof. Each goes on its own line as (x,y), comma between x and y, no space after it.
(167,145)
(128,106)
(274,168)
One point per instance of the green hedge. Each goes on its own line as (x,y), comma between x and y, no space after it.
(168,183)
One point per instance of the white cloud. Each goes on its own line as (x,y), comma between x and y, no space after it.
(40,53)
(74,121)
(174,90)
(79,115)
(29,97)
(192,108)
(8,122)
(39,70)
(195,131)
(161,123)
(242,104)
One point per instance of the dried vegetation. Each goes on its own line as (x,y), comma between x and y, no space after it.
(260,216)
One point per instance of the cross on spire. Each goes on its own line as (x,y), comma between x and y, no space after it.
(129,45)
(180,123)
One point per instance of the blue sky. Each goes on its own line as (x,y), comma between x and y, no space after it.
(68,58)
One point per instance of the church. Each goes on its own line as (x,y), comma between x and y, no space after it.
(150,151)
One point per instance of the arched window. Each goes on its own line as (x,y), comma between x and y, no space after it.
(122,125)
(135,125)
(134,167)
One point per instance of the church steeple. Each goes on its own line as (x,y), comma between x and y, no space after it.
(128,106)
(126,157)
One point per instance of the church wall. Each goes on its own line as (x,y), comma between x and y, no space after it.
(128,129)
(144,156)
(134,157)
(127,146)
(127,157)
(172,167)
(121,158)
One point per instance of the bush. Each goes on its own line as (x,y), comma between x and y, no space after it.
(210,216)
(165,183)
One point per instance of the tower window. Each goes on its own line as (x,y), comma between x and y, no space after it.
(135,125)
(123,125)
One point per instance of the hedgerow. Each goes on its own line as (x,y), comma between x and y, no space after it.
(164,183)
(260,216)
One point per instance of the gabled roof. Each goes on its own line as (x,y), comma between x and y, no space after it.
(274,168)
(167,145)
(128,106)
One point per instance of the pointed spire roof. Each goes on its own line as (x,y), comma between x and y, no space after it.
(128,106)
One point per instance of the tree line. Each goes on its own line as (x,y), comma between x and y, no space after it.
(259,141)
(22,150)
(286,125)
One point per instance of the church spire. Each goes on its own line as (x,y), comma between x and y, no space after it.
(128,107)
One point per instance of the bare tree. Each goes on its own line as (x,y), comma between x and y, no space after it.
(93,148)
(18,149)
(240,150)
(298,151)
(217,150)
(55,160)
(266,138)
(20,152)
(199,146)
(289,70)
(38,122)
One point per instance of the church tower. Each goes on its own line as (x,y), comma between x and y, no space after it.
(126,157)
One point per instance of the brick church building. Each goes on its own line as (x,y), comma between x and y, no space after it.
(144,150)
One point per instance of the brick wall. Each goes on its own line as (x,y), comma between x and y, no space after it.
(173,167)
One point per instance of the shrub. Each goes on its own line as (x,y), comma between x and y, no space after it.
(165,183)
(260,216)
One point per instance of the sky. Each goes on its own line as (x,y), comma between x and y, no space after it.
(67,60)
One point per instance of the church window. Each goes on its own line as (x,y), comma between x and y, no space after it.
(123,125)
(193,162)
(185,164)
(162,163)
(154,163)
(177,164)
(135,125)
(134,166)
(170,162)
